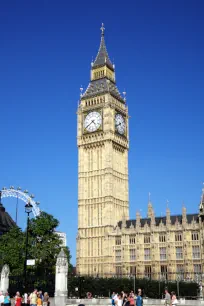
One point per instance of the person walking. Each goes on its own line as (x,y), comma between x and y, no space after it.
(132,299)
(33,298)
(167,298)
(125,299)
(119,301)
(174,300)
(18,299)
(46,301)
(1,298)
(139,300)
(112,298)
(25,299)
(7,300)
(39,300)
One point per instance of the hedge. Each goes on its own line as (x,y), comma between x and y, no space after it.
(103,287)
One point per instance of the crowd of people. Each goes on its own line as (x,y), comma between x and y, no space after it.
(132,299)
(127,299)
(170,299)
(36,298)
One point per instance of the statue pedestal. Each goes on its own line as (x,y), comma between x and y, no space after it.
(61,290)
(60,300)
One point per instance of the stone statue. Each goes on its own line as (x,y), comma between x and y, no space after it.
(4,284)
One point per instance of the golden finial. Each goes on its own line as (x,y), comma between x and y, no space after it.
(102,29)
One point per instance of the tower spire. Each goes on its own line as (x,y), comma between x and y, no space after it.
(102,57)
(103,75)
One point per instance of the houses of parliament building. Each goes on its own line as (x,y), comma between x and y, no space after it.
(108,242)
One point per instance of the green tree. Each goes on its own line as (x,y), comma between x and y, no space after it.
(45,243)
(12,249)
(43,246)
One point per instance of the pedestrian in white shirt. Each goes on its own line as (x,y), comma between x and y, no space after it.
(119,301)
(1,298)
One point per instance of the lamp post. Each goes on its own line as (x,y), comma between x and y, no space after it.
(28,210)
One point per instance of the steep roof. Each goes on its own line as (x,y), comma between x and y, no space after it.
(143,221)
(6,222)
(102,57)
(101,86)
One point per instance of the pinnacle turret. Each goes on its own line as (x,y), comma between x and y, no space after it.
(201,207)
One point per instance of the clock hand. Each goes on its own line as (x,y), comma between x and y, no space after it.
(89,124)
(118,124)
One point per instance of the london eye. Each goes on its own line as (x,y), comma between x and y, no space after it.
(22,195)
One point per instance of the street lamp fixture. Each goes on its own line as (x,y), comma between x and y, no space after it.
(28,210)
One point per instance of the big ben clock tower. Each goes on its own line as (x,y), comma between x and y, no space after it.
(102,140)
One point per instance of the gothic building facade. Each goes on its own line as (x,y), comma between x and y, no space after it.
(108,243)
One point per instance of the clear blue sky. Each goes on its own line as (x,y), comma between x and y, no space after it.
(46,49)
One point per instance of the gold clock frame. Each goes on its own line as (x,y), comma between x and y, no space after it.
(125,119)
(100,111)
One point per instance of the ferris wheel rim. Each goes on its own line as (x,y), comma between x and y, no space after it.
(22,195)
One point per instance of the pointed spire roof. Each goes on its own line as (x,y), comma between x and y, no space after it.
(202,200)
(104,84)
(62,254)
(102,57)
(202,197)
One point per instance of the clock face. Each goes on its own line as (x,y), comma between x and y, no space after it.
(92,121)
(120,124)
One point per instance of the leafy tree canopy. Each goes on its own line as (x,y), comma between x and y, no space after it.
(43,245)
(12,249)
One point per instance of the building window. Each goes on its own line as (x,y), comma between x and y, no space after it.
(118,270)
(133,270)
(147,254)
(179,252)
(147,239)
(118,241)
(117,255)
(132,239)
(180,271)
(132,254)
(196,252)
(148,271)
(162,253)
(178,237)
(163,270)
(162,238)
(197,269)
(195,236)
